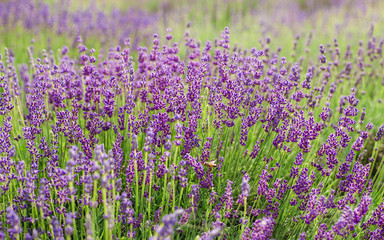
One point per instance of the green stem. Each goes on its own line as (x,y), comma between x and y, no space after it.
(136,190)
(163,203)
(105,205)
(94,210)
(173,180)
(245,214)
(144,179)
(73,210)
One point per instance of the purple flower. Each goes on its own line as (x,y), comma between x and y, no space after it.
(14,221)
(379,133)
(263,228)
(376,221)
(57,230)
(195,196)
(302,236)
(28,236)
(302,184)
(299,159)
(69,222)
(228,198)
(369,126)
(358,144)
(323,234)
(350,218)
(166,229)
(256,149)
(134,141)
(245,185)
(244,189)
(217,226)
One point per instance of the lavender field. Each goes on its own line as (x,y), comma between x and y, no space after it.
(165,119)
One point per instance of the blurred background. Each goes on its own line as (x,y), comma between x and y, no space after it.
(106,23)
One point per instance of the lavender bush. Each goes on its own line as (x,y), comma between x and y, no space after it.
(201,140)
(61,18)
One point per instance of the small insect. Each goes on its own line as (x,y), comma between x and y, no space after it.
(211,164)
